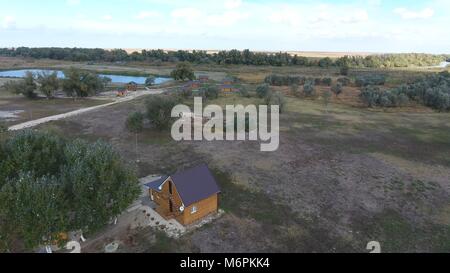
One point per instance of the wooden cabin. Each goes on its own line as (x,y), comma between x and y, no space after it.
(187,196)
(132,86)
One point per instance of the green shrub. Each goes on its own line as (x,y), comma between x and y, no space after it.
(344,70)
(327,81)
(344,81)
(150,81)
(159,110)
(262,90)
(26,87)
(295,89)
(370,95)
(309,88)
(135,122)
(211,92)
(337,89)
(276,98)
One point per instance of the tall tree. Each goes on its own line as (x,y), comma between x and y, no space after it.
(182,72)
(49,185)
(49,83)
(159,110)
(79,83)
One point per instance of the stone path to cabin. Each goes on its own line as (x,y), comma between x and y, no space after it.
(33,123)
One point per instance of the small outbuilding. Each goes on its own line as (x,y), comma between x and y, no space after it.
(122,92)
(187,196)
(132,86)
(203,78)
(227,88)
(195,84)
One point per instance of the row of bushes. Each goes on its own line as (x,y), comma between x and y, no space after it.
(373,96)
(372,79)
(432,91)
(392,60)
(285,80)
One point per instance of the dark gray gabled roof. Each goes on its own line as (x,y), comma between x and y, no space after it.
(195,184)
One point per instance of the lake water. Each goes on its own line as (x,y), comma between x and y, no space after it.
(443,65)
(114,78)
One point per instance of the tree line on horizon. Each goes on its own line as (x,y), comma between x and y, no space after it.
(245,57)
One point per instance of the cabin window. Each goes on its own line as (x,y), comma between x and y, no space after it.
(170,188)
(194,210)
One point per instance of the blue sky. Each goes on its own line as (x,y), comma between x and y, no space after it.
(327,25)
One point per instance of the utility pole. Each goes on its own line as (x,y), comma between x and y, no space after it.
(136,147)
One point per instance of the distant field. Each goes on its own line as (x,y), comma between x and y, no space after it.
(311,54)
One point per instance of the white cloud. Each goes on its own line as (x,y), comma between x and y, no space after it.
(356,17)
(147,14)
(409,14)
(233,4)
(8,21)
(107,17)
(186,14)
(226,19)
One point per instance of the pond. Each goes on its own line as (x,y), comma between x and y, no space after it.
(443,64)
(114,78)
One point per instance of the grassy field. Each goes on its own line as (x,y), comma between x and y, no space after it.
(341,178)
(344,175)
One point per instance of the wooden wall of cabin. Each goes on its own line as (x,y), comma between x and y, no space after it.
(162,201)
(204,208)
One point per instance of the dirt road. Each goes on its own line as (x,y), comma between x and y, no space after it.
(33,123)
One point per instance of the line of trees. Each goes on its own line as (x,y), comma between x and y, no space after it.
(286,80)
(50,185)
(432,91)
(76,83)
(245,57)
(392,60)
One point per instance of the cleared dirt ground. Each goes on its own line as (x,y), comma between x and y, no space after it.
(39,108)
(340,179)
